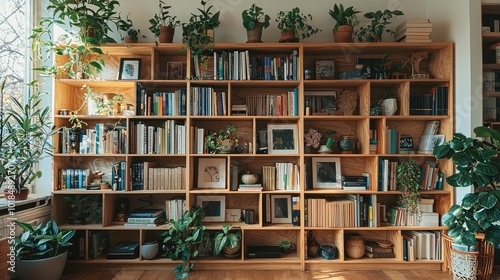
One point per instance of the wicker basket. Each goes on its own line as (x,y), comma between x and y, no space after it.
(464,264)
(4,261)
(486,259)
(447,247)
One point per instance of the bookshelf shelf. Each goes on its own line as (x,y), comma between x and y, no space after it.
(133,164)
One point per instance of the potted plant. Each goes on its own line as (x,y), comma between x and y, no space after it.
(373,31)
(254,21)
(163,24)
(408,183)
(223,141)
(228,241)
(40,250)
(293,24)
(345,20)
(197,33)
(329,142)
(388,104)
(477,165)
(26,139)
(133,35)
(183,238)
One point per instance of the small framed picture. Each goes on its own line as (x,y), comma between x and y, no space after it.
(321,102)
(437,140)
(174,70)
(325,69)
(282,138)
(214,207)
(233,215)
(326,173)
(212,173)
(281,209)
(130,69)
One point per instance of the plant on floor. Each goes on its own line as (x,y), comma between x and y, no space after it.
(408,182)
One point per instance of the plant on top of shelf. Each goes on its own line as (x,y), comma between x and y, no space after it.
(27,131)
(293,24)
(227,240)
(163,24)
(194,32)
(408,182)
(379,21)
(184,236)
(216,141)
(133,35)
(478,165)
(345,20)
(254,20)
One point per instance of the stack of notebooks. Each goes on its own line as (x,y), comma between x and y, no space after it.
(379,249)
(414,31)
(146,218)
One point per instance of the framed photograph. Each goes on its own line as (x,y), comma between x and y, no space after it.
(325,69)
(214,207)
(233,215)
(174,70)
(282,139)
(437,140)
(212,173)
(326,173)
(281,209)
(321,102)
(130,69)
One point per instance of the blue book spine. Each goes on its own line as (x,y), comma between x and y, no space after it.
(121,180)
(170,104)
(296,101)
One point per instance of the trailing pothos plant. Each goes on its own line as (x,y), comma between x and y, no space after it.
(408,182)
(183,238)
(478,165)
(194,32)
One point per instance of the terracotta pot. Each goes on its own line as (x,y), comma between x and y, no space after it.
(255,35)
(166,34)
(22,195)
(129,40)
(343,33)
(288,37)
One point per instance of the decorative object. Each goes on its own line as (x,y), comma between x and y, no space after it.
(354,245)
(122,209)
(326,172)
(325,69)
(163,24)
(233,215)
(215,140)
(389,106)
(387,66)
(262,140)
(212,173)
(328,251)
(285,246)
(415,60)
(175,70)
(183,239)
(293,24)
(312,139)
(254,21)
(214,207)
(196,32)
(345,20)
(283,138)
(329,142)
(464,264)
(437,140)
(347,101)
(133,35)
(130,69)
(149,250)
(321,102)
(281,209)
(228,240)
(408,182)
(40,250)
(346,145)
(312,245)
(379,21)
(249,178)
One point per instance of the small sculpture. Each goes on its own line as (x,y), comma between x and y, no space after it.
(415,60)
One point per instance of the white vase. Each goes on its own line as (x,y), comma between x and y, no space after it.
(389,106)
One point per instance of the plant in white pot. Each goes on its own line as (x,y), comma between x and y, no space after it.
(40,252)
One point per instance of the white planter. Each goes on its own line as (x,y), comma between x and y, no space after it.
(389,106)
(43,269)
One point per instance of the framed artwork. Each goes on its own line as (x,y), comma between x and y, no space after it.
(212,173)
(281,209)
(174,70)
(233,215)
(130,69)
(437,140)
(214,207)
(321,102)
(326,173)
(282,139)
(325,69)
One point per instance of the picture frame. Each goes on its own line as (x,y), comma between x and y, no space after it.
(233,215)
(175,70)
(212,173)
(130,69)
(281,209)
(326,173)
(437,140)
(282,139)
(321,102)
(324,69)
(214,207)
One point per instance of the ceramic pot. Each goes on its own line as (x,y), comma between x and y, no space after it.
(288,37)
(327,251)
(166,34)
(227,146)
(129,40)
(42,269)
(355,246)
(249,178)
(255,35)
(150,250)
(389,106)
(21,195)
(346,145)
(343,33)
(324,150)
(232,251)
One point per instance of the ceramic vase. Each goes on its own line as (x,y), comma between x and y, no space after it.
(389,106)
(346,145)
(355,246)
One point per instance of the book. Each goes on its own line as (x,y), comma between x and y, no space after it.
(373,247)
(379,255)
(140,225)
(145,213)
(155,220)
(124,250)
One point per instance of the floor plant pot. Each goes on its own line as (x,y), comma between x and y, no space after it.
(43,269)
(343,33)
(464,264)
(255,35)
(166,34)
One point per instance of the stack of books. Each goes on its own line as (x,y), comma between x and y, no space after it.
(379,249)
(414,31)
(250,187)
(355,183)
(146,218)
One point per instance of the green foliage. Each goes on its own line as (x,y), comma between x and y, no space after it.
(343,16)
(27,131)
(478,165)
(41,242)
(226,238)
(329,140)
(214,140)
(379,22)
(408,182)
(163,19)
(184,236)
(134,34)
(296,22)
(253,15)
(194,34)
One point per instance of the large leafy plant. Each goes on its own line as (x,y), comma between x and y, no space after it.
(41,242)
(477,165)
(343,16)
(379,21)
(194,32)
(296,22)
(254,15)
(226,237)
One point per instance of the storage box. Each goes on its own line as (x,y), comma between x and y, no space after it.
(430,219)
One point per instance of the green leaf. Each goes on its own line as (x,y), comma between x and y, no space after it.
(486,200)
(441,151)
(461,159)
(469,200)
(456,145)
(487,169)
(466,238)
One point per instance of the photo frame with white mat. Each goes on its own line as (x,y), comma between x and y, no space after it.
(214,207)
(130,69)
(326,173)
(282,139)
(212,173)
(281,209)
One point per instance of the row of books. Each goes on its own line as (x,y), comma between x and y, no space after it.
(356,183)
(281,176)
(161,103)
(414,31)
(170,138)
(287,176)
(285,104)
(74,179)
(148,176)
(206,101)
(329,212)
(433,103)
(118,177)
(103,139)
(422,245)
(399,216)
(431,178)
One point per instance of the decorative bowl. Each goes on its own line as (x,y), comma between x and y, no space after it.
(149,250)
(327,251)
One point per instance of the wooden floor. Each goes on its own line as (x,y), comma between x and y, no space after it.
(260,275)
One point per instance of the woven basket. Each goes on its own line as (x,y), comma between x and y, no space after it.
(464,264)
(447,247)
(4,264)
(486,260)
